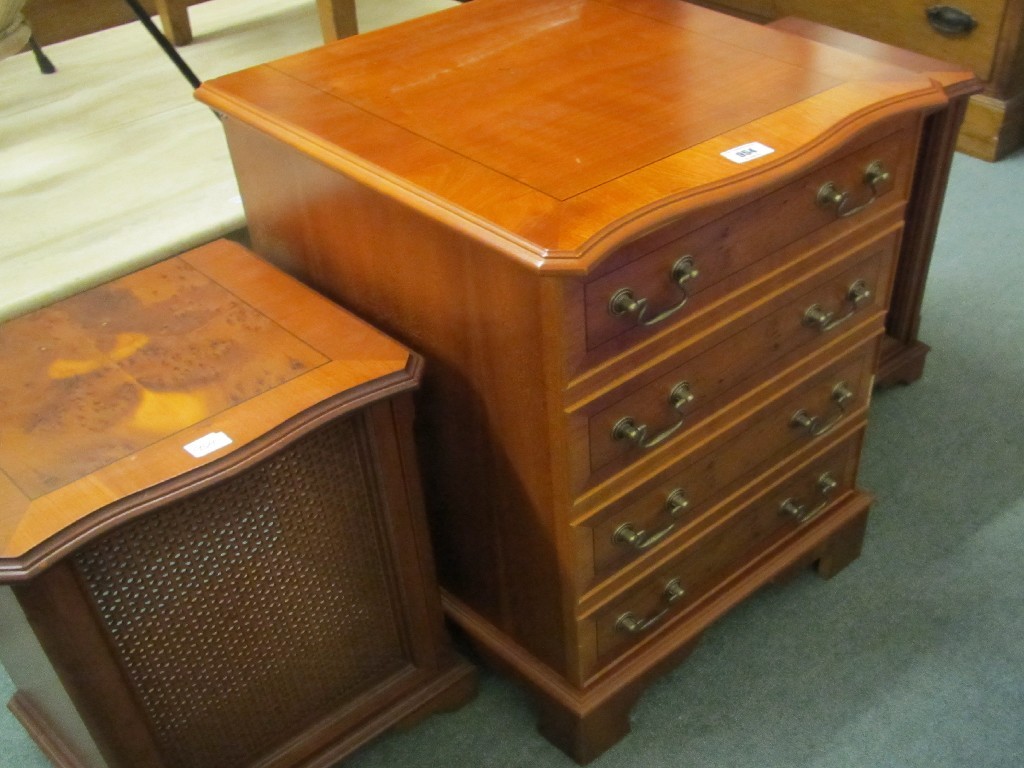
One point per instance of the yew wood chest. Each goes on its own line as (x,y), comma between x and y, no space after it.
(647,250)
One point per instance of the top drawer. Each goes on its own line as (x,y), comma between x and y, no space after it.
(683,269)
(965,32)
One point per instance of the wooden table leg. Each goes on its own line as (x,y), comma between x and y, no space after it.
(174,20)
(337,18)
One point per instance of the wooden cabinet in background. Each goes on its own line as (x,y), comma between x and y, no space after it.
(648,251)
(55,20)
(212,546)
(984,36)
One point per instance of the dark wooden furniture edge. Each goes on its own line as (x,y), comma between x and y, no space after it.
(42,732)
(448,691)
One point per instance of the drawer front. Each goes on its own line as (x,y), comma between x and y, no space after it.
(687,496)
(637,419)
(677,280)
(966,33)
(782,510)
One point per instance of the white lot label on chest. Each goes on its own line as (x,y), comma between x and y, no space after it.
(747,152)
(208,444)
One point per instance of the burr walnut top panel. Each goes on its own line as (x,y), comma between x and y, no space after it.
(116,391)
(555,129)
(110,371)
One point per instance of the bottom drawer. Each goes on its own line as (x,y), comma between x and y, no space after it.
(782,510)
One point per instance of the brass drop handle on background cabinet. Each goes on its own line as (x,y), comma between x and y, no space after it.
(841,394)
(816,316)
(624,302)
(627,429)
(628,622)
(627,535)
(829,195)
(792,508)
(950,21)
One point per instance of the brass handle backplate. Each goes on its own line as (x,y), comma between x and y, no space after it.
(625,303)
(816,316)
(627,429)
(791,507)
(813,425)
(830,196)
(950,21)
(627,534)
(628,622)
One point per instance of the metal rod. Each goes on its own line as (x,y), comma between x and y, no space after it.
(164,43)
(45,65)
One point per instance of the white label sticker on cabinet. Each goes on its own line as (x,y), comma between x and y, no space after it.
(208,444)
(747,152)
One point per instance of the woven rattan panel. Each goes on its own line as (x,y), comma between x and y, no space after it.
(249,611)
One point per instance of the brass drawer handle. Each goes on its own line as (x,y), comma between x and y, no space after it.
(629,536)
(816,316)
(799,512)
(841,394)
(624,302)
(829,195)
(950,21)
(627,429)
(628,622)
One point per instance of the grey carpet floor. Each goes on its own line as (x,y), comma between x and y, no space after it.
(913,657)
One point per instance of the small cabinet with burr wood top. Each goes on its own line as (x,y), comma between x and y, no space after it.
(648,251)
(212,546)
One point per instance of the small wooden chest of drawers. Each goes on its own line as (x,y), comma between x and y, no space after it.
(984,36)
(648,250)
(212,549)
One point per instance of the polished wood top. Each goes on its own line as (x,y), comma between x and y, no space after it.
(103,396)
(555,128)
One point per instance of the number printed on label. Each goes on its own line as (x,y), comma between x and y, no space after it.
(747,152)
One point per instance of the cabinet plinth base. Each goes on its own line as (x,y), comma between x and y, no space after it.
(900,363)
(584,721)
(451,688)
(42,732)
